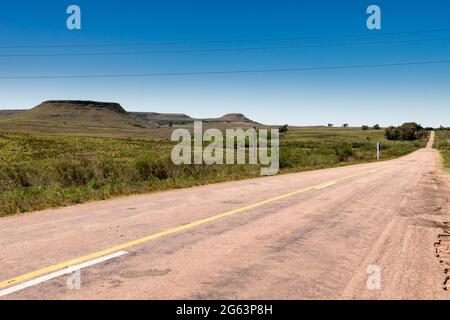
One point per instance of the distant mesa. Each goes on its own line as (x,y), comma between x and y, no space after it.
(64,113)
(235,117)
(161,119)
(154,118)
(95,114)
(86,103)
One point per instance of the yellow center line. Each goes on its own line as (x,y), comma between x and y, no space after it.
(161,234)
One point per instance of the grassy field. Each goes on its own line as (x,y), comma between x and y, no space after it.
(41,171)
(442,143)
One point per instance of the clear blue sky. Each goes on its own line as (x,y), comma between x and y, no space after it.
(357,96)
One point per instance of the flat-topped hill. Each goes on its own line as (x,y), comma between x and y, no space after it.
(78,113)
(94,118)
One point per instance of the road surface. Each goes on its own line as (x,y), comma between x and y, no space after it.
(313,235)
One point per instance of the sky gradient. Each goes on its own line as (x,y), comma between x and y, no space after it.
(389,95)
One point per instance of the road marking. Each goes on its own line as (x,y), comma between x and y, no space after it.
(60,273)
(164,233)
(325,185)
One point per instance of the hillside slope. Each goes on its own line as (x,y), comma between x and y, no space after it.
(78,114)
(9,113)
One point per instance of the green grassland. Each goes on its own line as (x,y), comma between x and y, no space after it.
(39,171)
(442,143)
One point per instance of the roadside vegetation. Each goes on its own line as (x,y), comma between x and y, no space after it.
(42,171)
(442,143)
(408,131)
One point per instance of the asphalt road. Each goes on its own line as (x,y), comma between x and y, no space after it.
(313,235)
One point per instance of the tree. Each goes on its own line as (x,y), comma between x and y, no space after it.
(411,131)
(283,128)
(365,128)
(330,125)
(407,131)
(345,125)
(376,127)
(392,133)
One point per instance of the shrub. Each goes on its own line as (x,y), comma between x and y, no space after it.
(408,131)
(376,127)
(344,151)
(161,169)
(16,176)
(392,133)
(443,145)
(283,128)
(365,128)
(74,172)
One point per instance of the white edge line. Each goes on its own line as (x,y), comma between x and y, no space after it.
(60,273)
(325,185)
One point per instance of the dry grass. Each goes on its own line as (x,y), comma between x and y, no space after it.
(41,171)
